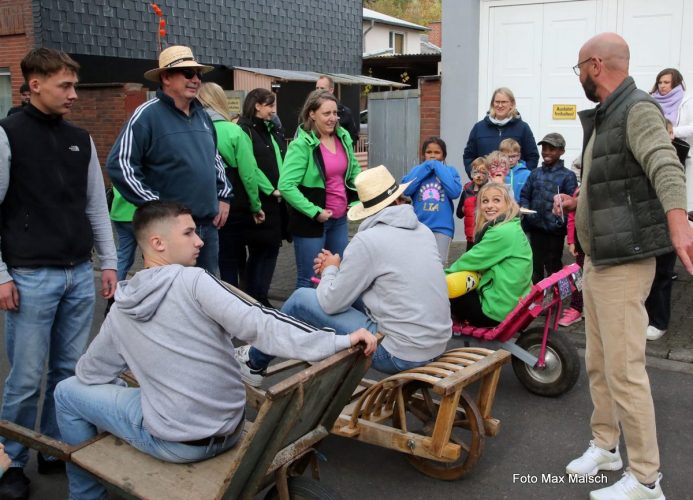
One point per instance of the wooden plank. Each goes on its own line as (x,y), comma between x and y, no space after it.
(135,473)
(447,411)
(395,439)
(36,440)
(471,374)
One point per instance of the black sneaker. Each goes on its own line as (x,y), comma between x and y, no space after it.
(46,466)
(14,485)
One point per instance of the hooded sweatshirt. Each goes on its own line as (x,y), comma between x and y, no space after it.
(173,327)
(393,265)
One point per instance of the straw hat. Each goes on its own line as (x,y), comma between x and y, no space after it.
(377,189)
(177,56)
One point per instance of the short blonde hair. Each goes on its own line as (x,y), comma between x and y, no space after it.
(509,145)
(503,90)
(480,165)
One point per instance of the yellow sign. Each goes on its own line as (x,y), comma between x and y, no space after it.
(564,111)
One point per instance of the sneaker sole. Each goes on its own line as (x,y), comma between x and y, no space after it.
(568,323)
(607,466)
(253,382)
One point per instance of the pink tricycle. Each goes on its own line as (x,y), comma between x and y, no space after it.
(546,363)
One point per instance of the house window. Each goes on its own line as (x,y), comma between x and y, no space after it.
(397,42)
(5,92)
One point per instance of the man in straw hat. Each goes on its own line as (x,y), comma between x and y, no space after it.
(390,281)
(167,150)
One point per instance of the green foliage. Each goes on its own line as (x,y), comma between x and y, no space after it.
(415,11)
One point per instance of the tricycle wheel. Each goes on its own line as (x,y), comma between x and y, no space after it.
(562,365)
(467,431)
(305,488)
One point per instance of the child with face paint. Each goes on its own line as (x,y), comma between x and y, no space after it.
(467,205)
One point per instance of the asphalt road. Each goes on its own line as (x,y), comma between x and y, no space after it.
(538,437)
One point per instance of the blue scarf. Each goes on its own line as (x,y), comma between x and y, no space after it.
(670,103)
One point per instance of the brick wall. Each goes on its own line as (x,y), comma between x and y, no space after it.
(429,107)
(16,38)
(435,35)
(102,109)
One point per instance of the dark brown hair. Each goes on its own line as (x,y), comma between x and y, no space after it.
(155,211)
(47,62)
(256,96)
(676,79)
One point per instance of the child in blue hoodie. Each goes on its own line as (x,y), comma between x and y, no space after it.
(434,186)
(518,168)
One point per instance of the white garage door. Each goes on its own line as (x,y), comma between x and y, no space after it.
(531,49)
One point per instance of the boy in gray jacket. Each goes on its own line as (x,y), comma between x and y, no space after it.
(172,326)
(391,281)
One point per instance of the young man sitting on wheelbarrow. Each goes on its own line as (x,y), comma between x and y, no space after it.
(172,326)
(390,281)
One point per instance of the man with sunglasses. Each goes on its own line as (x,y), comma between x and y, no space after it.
(167,150)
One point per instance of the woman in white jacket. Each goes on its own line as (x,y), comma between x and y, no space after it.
(669,91)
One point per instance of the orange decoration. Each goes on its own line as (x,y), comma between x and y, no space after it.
(162,33)
(162,23)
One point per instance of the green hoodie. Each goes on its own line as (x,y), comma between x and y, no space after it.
(504,259)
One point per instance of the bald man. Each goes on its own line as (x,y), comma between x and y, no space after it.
(631,208)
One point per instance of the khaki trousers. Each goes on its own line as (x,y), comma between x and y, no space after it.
(615,326)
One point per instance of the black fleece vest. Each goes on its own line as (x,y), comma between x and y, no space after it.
(627,221)
(43,219)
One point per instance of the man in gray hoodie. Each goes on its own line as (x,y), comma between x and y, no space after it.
(172,325)
(391,281)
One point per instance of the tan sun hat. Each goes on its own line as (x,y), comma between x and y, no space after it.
(177,56)
(377,189)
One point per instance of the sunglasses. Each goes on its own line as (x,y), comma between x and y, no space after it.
(188,73)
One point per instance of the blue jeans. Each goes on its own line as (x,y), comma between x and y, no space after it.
(303,304)
(84,410)
(335,238)
(209,253)
(127,245)
(56,307)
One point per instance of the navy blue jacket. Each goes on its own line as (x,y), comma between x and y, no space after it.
(538,192)
(486,136)
(162,153)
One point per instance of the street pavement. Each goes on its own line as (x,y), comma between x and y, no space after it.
(538,437)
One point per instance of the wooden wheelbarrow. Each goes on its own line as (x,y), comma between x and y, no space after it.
(293,416)
(427,412)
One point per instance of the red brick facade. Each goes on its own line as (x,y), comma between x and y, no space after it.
(435,36)
(102,109)
(16,38)
(429,107)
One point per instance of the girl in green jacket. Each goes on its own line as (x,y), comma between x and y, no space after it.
(317,182)
(501,254)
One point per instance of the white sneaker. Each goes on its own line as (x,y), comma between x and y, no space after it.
(629,488)
(594,460)
(251,377)
(654,333)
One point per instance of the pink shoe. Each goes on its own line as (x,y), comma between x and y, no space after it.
(569,317)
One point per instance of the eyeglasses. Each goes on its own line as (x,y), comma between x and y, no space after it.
(576,68)
(188,73)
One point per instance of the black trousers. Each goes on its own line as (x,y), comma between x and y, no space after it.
(658,303)
(547,252)
(468,308)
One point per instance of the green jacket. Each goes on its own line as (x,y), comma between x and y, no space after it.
(302,181)
(121,209)
(236,148)
(504,259)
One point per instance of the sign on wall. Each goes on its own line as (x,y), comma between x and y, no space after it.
(564,112)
